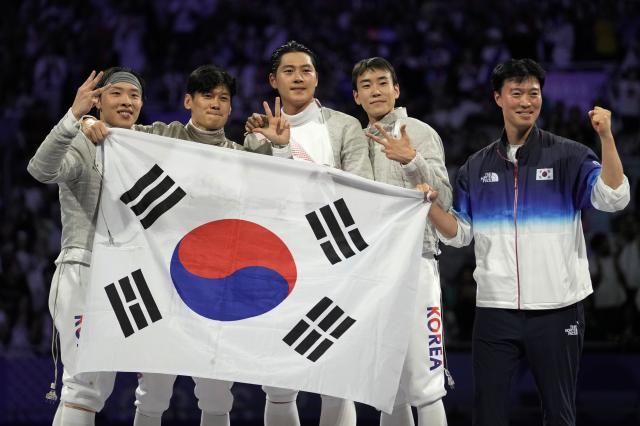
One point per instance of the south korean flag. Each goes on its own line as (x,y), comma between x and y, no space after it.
(230,265)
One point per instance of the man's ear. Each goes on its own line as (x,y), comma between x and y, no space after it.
(498,98)
(356,98)
(272,81)
(188,100)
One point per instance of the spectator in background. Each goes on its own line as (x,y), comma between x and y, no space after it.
(14,297)
(241,38)
(628,263)
(609,295)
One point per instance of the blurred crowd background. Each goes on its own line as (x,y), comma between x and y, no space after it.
(443,50)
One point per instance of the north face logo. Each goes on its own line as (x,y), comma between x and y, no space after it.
(572,330)
(489,177)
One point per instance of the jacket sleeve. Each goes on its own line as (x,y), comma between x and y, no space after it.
(56,160)
(609,199)
(428,165)
(589,189)
(157,128)
(354,155)
(261,145)
(463,236)
(461,209)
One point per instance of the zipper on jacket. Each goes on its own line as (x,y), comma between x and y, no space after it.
(515,223)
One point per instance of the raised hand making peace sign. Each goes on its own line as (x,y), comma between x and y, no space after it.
(278,130)
(400,149)
(87,96)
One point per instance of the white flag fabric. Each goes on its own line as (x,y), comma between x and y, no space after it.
(224,264)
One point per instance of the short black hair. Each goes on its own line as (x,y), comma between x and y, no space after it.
(207,77)
(375,63)
(518,70)
(110,71)
(289,47)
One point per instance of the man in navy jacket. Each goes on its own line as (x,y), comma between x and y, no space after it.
(521,199)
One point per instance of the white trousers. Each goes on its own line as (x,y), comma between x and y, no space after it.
(154,391)
(422,379)
(66,305)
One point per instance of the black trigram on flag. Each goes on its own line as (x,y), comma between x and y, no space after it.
(319,333)
(160,190)
(135,304)
(336,234)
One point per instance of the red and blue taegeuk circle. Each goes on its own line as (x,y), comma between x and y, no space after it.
(232,269)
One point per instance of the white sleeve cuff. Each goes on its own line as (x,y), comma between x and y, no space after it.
(618,191)
(411,166)
(282,151)
(70,123)
(463,234)
(608,199)
(277,147)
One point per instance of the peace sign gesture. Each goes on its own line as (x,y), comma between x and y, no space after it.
(87,96)
(399,150)
(278,130)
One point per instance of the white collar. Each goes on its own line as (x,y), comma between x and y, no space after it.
(310,113)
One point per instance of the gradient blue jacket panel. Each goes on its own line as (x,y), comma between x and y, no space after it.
(555,180)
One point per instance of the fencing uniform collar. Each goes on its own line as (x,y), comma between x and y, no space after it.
(210,137)
(310,113)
